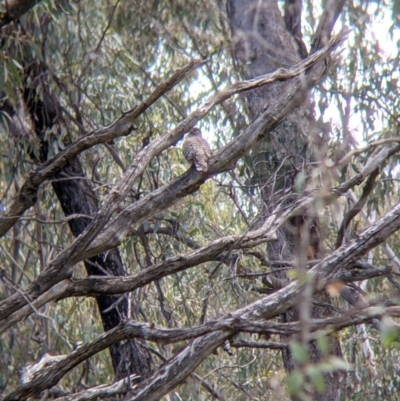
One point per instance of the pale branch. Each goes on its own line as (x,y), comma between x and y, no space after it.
(255,344)
(123,126)
(181,365)
(347,158)
(48,377)
(360,271)
(56,292)
(118,285)
(385,247)
(222,161)
(27,195)
(373,163)
(232,323)
(94,286)
(369,186)
(103,391)
(193,375)
(275,221)
(172,233)
(332,10)
(166,196)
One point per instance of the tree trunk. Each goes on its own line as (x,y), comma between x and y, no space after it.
(262,42)
(77,197)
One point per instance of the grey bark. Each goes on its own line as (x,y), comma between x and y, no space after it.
(77,197)
(263,41)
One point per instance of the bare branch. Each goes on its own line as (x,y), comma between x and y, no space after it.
(149,205)
(369,186)
(123,126)
(255,344)
(103,391)
(332,10)
(226,327)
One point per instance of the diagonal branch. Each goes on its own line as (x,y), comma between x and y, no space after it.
(227,326)
(369,186)
(178,368)
(243,319)
(50,276)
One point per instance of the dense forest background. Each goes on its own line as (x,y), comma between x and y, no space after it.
(125,273)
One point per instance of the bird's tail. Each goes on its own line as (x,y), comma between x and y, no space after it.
(201,166)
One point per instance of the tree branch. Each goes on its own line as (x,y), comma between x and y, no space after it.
(369,186)
(60,267)
(226,327)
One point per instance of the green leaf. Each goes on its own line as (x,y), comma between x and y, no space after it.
(388,333)
(338,363)
(299,352)
(36,50)
(14,73)
(323,344)
(317,378)
(295,381)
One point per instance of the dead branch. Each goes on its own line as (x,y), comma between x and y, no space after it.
(256,344)
(103,391)
(151,204)
(369,186)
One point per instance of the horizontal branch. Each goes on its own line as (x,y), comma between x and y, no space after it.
(178,368)
(116,285)
(49,376)
(255,344)
(103,391)
(93,286)
(123,126)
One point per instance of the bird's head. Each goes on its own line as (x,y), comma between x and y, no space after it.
(194,132)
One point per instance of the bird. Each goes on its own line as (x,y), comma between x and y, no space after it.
(196,149)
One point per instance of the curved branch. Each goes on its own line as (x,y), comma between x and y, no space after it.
(223,328)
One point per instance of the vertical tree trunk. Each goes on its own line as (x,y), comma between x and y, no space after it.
(77,197)
(262,42)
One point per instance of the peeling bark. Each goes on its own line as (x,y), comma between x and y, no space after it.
(263,41)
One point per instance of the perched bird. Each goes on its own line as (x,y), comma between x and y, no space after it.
(196,149)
